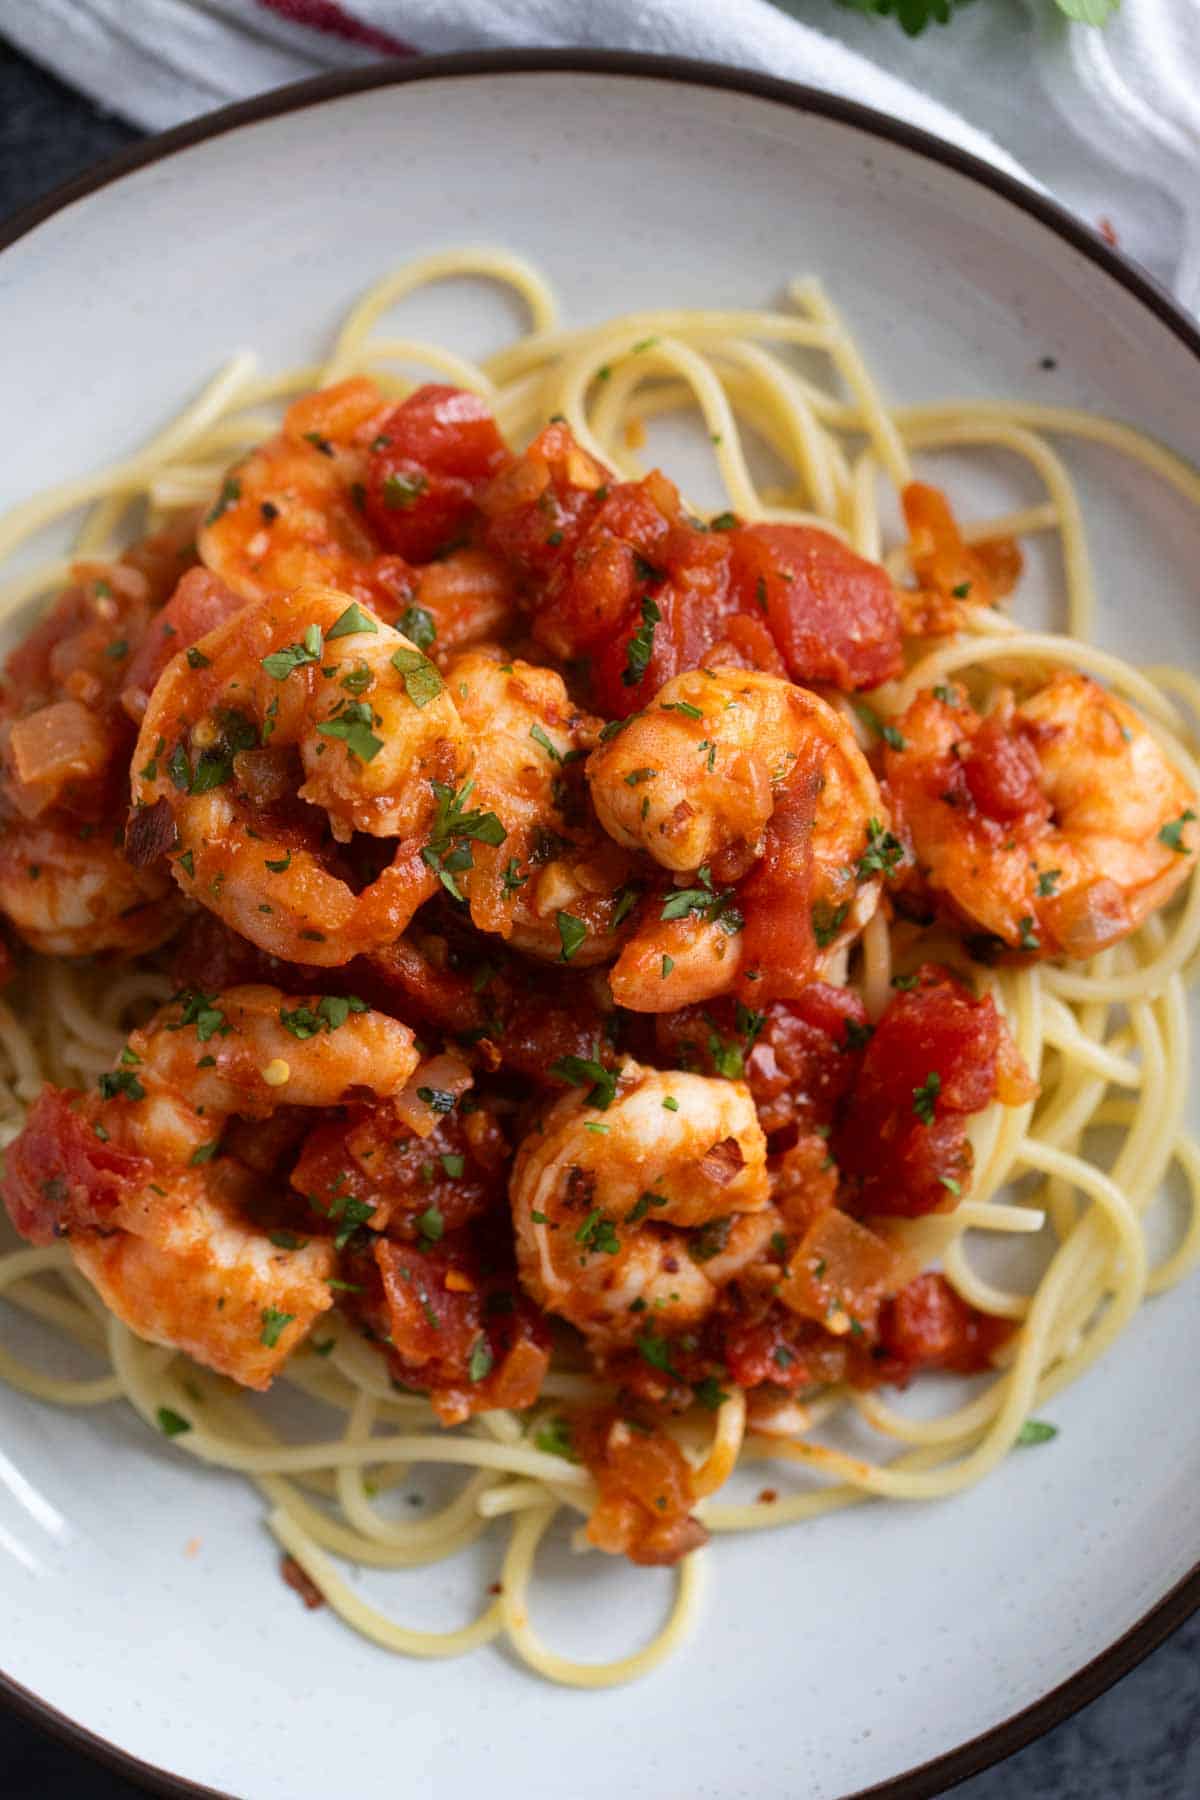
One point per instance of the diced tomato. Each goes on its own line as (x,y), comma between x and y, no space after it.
(416,1187)
(832,613)
(900,1140)
(646,1497)
(432,457)
(929,1326)
(59,1176)
(779,1348)
(779,946)
(799,1056)
(199,604)
(672,627)
(538,507)
(467,1337)
(747,644)
(1003,774)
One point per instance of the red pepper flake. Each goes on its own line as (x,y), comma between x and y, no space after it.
(497,1587)
(1108,232)
(295,1577)
(768,1497)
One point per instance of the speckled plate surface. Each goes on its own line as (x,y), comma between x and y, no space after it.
(870,1645)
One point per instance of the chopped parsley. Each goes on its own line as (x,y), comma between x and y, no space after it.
(416,624)
(1172,835)
(640,646)
(705,903)
(598,1233)
(438,1100)
(171,1423)
(121,1081)
(883,854)
(642,1205)
(273,1323)
(203,1153)
(400,492)
(709,1393)
(431,1225)
(331,1011)
(230,494)
(571,933)
(539,737)
(580,1069)
(481,1360)
(925,1096)
(422,683)
(1036,1431)
(682,706)
(197,659)
(353,619)
(554,1437)
(448,852)
(1047,882)
(280,663)
(827,921)
(352,724)
(870,717)
(1029,939)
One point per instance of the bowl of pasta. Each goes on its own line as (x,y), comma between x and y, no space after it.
(599,828)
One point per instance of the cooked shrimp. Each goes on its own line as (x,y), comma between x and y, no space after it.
(554,863)
(68,895)
(294,512)
(742,778)
(642,1219)
(1055,825)
(297,717)
(285,515)
(158,1217)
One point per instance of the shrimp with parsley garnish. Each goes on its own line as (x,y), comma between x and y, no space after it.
(754,794)
(270,752)
(1054,824)
(160,1212)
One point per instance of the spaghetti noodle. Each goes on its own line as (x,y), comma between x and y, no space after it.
(1106,1039)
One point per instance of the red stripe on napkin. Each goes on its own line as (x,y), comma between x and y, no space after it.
(327,16)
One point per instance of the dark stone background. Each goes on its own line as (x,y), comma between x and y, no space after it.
(1140,1741)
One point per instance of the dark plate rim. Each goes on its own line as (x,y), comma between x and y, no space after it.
(1090,1681)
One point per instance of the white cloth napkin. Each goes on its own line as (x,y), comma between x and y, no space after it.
(1108,120)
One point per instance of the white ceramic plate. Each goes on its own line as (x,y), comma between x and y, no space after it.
(857,1649)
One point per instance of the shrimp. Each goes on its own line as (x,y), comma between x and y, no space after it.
(1055,825)
(742,778)
(68,895)
(295,725)
(656,1210)
(554,864)
(160,1218)
(294,512)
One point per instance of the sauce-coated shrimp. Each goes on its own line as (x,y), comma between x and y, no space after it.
(295,725)
(307,507)
(528,738)
(640,1224)
(747,779)
(73,896)
(1056,825)
(159,1217)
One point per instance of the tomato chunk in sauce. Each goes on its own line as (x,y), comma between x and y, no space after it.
(937,1055)
(832,613)
(432,457)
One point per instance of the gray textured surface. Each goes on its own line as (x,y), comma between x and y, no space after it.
(1140,1741)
